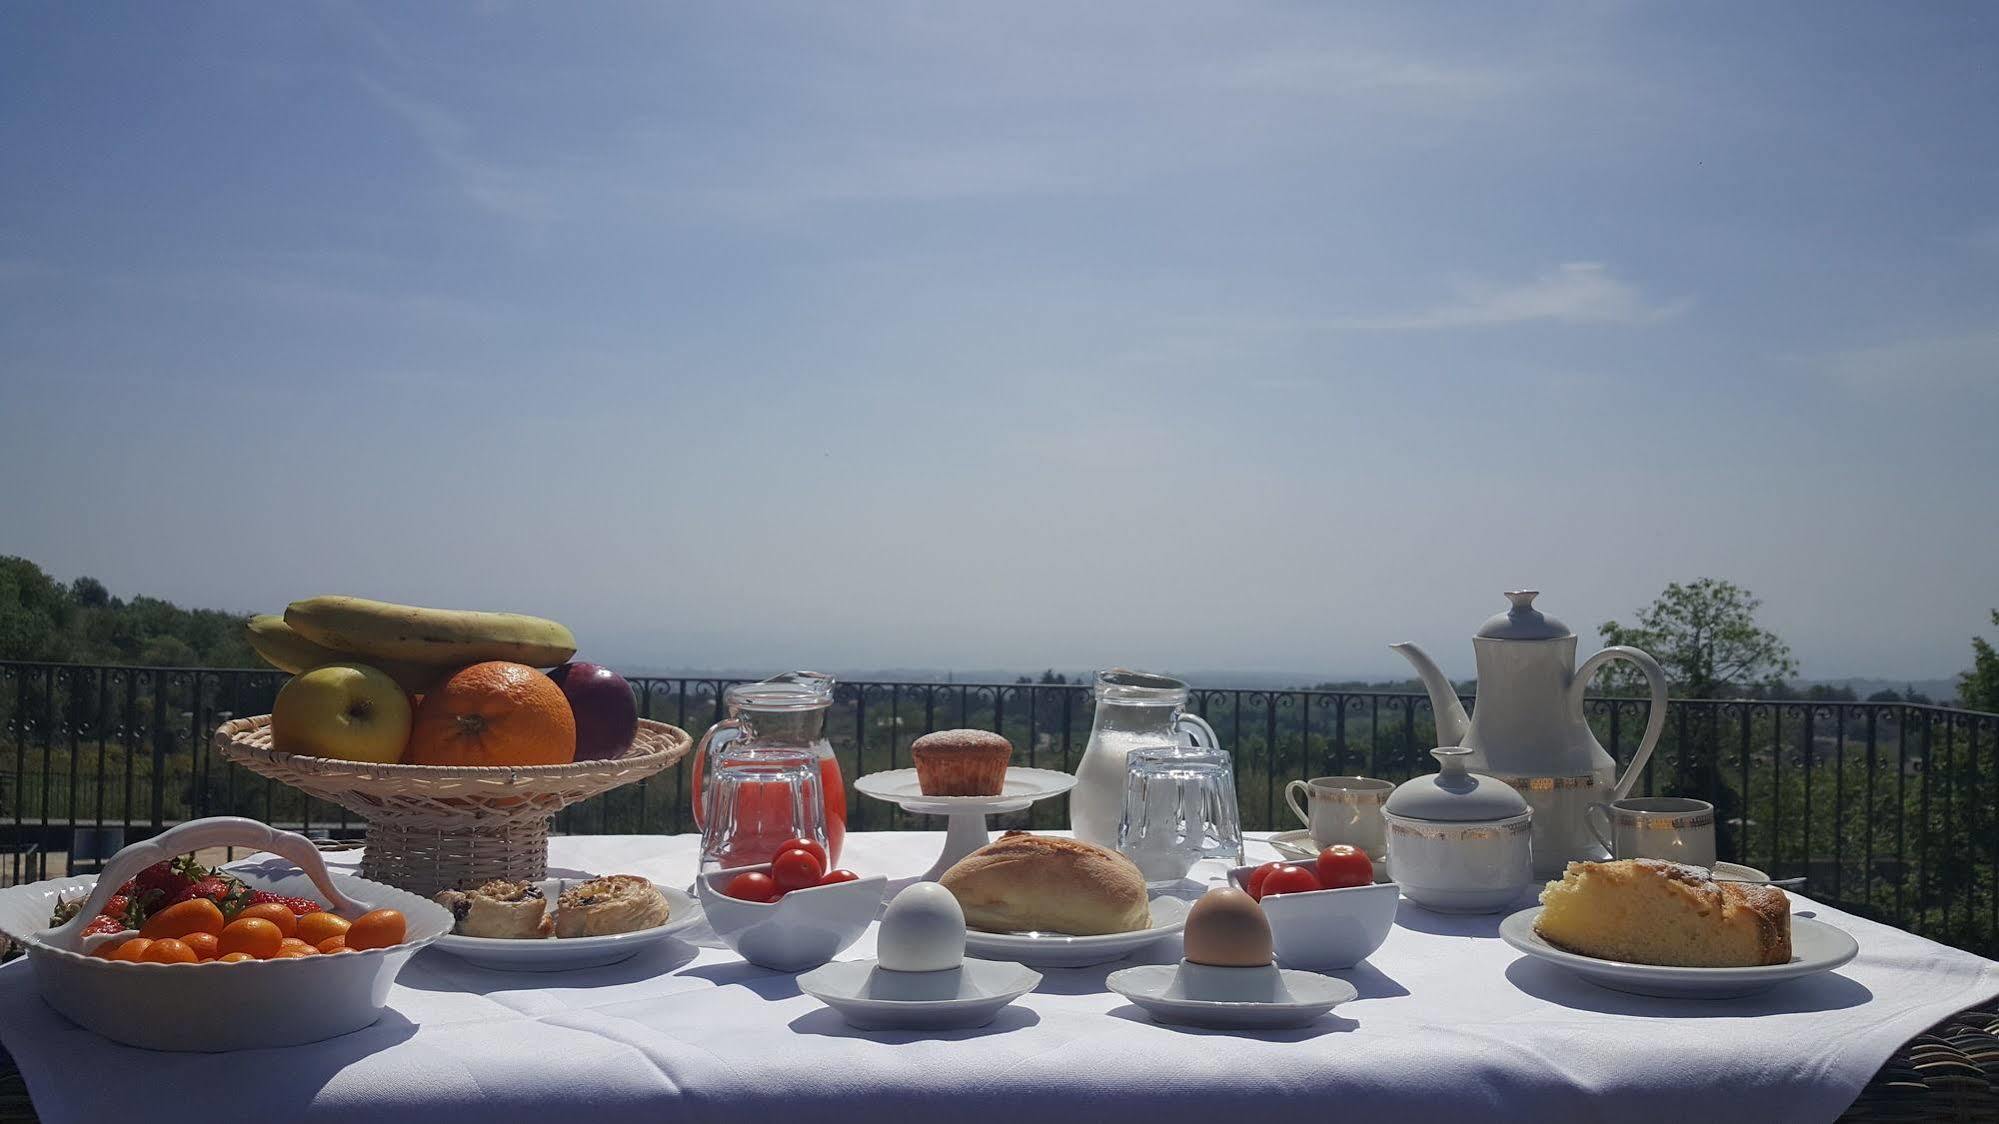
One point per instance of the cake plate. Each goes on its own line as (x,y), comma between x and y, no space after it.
(966,829)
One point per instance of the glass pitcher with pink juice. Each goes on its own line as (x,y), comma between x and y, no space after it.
(781,715)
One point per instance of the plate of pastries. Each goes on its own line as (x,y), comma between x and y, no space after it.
(1049,901)
(1660,928)
(557,924)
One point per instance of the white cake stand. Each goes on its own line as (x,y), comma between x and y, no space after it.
(966,831)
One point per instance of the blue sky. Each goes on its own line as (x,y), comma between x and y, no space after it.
(1182,335)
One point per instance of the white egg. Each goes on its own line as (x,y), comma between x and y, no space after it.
(922,930)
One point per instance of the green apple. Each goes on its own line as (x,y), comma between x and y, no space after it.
(345,710)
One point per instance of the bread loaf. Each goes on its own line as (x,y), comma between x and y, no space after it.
(1041,883)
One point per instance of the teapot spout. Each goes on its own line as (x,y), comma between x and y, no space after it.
(1452,722)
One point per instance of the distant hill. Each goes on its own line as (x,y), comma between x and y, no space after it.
(81,622)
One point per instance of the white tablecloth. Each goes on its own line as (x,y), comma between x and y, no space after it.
(1451,1025)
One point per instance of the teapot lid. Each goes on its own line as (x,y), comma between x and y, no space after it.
(1523,621)
(1453,795)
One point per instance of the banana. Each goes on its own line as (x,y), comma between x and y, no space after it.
(283,648)
(377,630)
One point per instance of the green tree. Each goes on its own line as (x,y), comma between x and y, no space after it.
(1978,689)
(1704,634)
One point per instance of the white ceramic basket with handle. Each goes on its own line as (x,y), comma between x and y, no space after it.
(214,1006)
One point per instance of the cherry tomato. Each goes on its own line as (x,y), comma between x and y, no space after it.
(274,912)
(380,929)
(253,936)
(205,945)
(803,844)
(168,950)
(195,915)
(1257,878)
(752,886)
(833,876)
(796,869)
(1344,864)
(1289,878)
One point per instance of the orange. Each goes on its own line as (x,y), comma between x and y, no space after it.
(379,929)
(335,943)
(281,916)
(205,945)
(292,946)
(314,928)
(494,713)
(233,958)
(132,951)
(196,915)
(252,935)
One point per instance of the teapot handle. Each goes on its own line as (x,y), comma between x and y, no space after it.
(1655,723)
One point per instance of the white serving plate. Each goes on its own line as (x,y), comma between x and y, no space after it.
(1815,947)
(1152,987)
(980,989)
(563,954)
(1060,950)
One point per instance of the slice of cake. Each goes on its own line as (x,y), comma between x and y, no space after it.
(1646,911)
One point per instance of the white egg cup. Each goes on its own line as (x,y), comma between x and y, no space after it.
(965,825)
(1264,997)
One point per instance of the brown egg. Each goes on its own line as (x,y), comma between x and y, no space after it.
(1227,929)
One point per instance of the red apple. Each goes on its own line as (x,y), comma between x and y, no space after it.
(606,714)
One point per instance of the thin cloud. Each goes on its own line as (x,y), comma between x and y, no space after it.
(1571,293)
(1944,361)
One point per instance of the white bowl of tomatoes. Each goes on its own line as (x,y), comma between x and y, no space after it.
(1326,915)
(791,913)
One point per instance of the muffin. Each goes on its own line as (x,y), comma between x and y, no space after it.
(961,762)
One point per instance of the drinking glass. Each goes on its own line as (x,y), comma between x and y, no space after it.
(758,800)
(1179,808)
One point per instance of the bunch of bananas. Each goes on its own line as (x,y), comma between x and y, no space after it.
(412,645)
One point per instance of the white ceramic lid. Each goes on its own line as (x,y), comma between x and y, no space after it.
(1523,621)
(1453,795)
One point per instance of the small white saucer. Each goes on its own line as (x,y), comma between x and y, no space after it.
(564,954)
(1160,990)
(1736,872)
(1060,950)
(871,999)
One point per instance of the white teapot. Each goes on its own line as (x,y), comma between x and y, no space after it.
(1527,726)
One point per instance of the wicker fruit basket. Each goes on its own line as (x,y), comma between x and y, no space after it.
(434,827)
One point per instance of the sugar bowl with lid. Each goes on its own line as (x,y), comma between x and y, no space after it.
(1459,842)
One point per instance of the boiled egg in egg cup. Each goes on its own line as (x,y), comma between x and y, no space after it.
(1228,978)
(920,979)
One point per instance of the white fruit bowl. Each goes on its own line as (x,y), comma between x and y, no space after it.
(213,1006)
(1327,930)
(800,930)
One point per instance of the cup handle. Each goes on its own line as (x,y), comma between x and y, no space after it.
(1589,820)
(1291,792)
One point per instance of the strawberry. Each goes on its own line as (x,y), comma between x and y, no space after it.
(227,892)
(168,878)
(300,906)
(105,923)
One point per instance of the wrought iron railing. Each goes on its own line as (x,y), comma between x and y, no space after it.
(1890,808)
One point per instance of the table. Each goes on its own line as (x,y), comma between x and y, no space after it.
(1450,1022)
